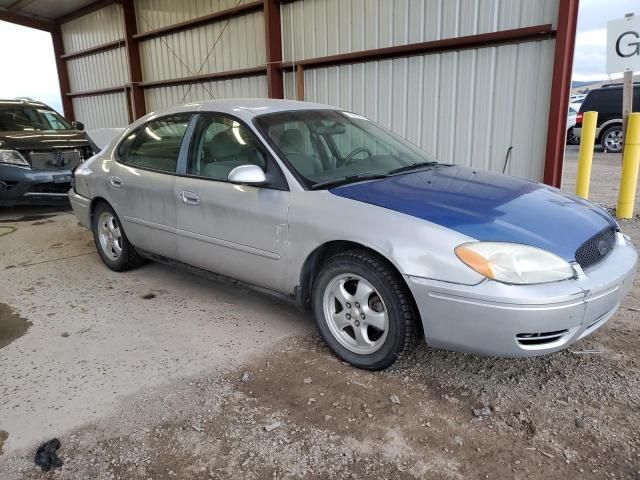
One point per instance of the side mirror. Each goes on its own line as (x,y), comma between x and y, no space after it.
(77,125)
(247,175)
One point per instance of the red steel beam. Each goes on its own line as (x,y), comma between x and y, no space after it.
(25,21)
(63,75)
(275,82)
(226,75)
(133,54)
(516,35)
(99,91)
(93,50)
(229,74)
(205,19)
(560,90)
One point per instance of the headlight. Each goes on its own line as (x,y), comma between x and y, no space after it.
(513,262)
(12,157)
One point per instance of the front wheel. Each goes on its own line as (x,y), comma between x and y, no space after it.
(364,310)
(612,140)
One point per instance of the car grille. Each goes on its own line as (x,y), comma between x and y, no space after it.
(50,187)
(596,248)
(540,339)
(66,159)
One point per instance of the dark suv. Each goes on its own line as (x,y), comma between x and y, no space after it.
(607,101)
(38,151)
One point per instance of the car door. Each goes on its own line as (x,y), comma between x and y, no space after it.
(142,183)
(236,230)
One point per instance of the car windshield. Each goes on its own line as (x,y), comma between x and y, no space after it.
(327,147)
(20,118)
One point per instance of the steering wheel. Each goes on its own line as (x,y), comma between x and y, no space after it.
(349,158)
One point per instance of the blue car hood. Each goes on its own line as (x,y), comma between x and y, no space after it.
(488,206)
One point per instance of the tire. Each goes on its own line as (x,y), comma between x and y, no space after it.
(572,139)
(611,139)
(113,246)
(360,277)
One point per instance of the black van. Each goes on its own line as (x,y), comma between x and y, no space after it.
(607,101)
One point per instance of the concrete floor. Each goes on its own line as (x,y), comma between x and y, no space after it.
(94,340)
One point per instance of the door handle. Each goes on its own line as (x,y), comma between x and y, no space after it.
(189,198)
(115,182)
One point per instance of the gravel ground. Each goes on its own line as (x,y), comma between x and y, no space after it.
(605,176)
(296,411)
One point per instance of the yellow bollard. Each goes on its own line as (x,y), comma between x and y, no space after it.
(585,156)
(630,165)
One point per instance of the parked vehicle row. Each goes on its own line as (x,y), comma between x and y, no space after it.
(607,101)
(572,115)
(373,235)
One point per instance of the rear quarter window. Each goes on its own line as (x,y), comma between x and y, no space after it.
(607,100)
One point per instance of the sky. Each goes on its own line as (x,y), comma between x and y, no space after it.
(589,62)
(30,70)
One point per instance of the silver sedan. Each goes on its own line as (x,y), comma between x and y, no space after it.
(382,242)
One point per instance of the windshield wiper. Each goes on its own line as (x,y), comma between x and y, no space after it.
(413,166)
(348,179)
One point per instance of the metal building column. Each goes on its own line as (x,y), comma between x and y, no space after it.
(560,89)
(273,34)
(63,74)
(133,54)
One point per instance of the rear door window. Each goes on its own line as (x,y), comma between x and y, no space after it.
(157,145)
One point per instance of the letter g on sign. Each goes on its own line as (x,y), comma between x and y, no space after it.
(629,46)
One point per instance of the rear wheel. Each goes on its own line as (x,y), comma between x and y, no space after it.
(364,310)
(612,140)
(114,248)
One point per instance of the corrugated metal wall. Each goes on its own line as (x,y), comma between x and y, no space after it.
(102,111)
(100,70)
(238,44)
(96,28)
(317,28)
(465,107)
(162,97)
(153,14)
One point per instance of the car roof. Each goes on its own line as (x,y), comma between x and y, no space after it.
(21,101)
(244,107)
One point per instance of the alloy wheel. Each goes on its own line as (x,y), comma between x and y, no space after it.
(110,236)
(355,313)
(613,140)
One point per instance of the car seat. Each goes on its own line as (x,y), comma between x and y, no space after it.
(291,143)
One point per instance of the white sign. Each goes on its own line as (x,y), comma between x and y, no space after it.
(623,45)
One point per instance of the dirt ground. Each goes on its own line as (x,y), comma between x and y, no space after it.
(283,406)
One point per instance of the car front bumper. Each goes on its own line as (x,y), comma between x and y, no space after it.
(22,186)
(492,318)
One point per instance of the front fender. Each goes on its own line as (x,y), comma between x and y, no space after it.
(415,247)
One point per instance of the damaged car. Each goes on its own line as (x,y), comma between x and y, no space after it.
(376,238)
(38,151)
